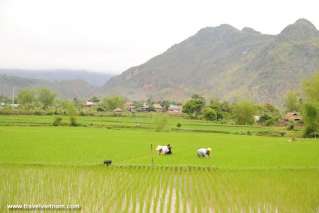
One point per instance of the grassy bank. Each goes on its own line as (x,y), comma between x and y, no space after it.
(143,121)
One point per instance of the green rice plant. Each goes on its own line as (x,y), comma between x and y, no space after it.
(98,188)
(73,121)
(90,146)
(141,122)
(57,121)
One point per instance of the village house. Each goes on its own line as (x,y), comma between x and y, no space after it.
(89,104)
(293,116)
(117,111)
(145,107)
(14,105)
(257,118)
(174,109)
(130,106)
(158,107)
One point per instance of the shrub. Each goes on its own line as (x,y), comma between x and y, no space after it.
(37,112)
(160,123)
(244,112)
(291,126)
(111,103)
(73,121)
(57,121)
(210,114)
(178,125)
(271,133)
(311,119)
(310,132)
(270,122)
(194,106)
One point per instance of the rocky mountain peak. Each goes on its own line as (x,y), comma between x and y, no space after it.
(301,29)
(226,63)
(250,30)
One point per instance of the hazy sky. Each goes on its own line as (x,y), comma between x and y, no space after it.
(112,35)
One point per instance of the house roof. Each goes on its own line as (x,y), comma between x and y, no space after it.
(293,116)
(118,110)
(89,103)
(157,106)
(174,107)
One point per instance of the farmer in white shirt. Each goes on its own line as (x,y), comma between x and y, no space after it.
(164,150)
(204,152)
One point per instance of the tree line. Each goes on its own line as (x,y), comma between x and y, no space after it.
(241,112)
(246,112)
(306,101)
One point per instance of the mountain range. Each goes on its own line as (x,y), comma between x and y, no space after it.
(217,62)
(66,83)
(96,79)
(226,63)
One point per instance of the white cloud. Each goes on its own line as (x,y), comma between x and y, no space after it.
(113,35)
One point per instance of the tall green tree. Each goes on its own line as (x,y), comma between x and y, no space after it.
(269,114)
(69,108)
(244,112)
(95,99)
(4,99)
(311,120)
(194,106)
(209,114)
(165,104)
(222,109)
(292,102)
(113,102)
(46,97)
(27,98)
(311,88)
(311,108)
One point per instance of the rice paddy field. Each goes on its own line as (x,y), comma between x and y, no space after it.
(143,121)
(42,164)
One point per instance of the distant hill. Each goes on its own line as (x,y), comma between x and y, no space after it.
(227,63)
(94,78)
(64,89)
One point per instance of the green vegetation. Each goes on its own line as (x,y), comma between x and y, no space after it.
(46,97)
(248,169)
(293,102)
(31,98)
(244,172)
(311,88)
(160,189)
(145,121)
(210,114)
(194,106)
(26,98)
(90,146)
(53,150)
(111,103)
(4,99)
(268,115)
(43,102)
(73,121)
(311,120)
(311,107)
(57,121)
(160,123)
(244,112)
